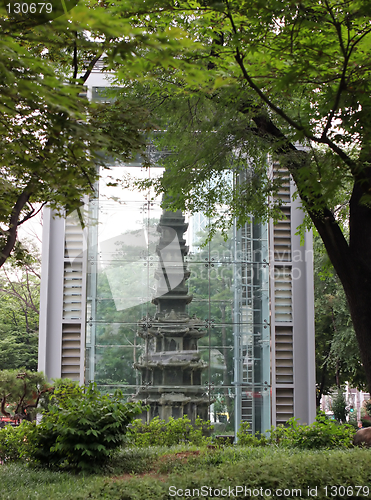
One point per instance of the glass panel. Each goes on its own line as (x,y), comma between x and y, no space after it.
(114,365)
(117,334)
(222,409)
(212,356)
(128,392)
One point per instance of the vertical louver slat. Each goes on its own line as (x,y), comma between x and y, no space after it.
(73,273)
(283,301)
(72,299)
(71,350)
(73,240)
(282,236)
(284,355)
(283,294)
(284,405)
(282,176)
(72,290)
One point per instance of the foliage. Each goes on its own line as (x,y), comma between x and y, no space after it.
(52,137)
(61,390)
(160,433)
(246,438)
(14,442)
(339,407)
(286,80)
(323,433)
(249,62)
(81,429)
(337,351)
(274,470)
(20,393)
(19,312)
(19,480)
(253,468)
(353,420)
(368,407)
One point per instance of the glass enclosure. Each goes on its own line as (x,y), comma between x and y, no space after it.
(225,285)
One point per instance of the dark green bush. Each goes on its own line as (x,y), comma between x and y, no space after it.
(175,431)
(353,421)
(81,429)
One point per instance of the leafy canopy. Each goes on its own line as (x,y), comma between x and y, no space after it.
(265,77)
(52,138)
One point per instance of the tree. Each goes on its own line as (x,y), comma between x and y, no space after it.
(19,312)
(339,407)
(52,139)
(20,393)
(286,79)
(337,352)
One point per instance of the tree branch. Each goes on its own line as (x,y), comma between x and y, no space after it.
(32,214)
(3,402)
(74,63)
(13,223)
(91,65)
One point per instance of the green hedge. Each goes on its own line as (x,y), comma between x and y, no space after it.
(290,474)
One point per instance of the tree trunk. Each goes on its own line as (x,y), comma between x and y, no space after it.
(353,266)
(352,262)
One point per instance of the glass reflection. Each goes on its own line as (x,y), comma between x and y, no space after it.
(229,282)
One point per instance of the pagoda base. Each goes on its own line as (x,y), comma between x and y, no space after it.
(173,404)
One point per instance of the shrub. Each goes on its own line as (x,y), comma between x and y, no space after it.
(245,438)
(175,431)
(81,429)
(336,473)
(353,421)
(323,433)
(14,441)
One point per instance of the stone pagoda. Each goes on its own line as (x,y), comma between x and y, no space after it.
(171,365)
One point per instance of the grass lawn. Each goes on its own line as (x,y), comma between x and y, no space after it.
(182,472)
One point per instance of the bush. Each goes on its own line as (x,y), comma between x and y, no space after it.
(81,429)
(14,441)
(175,431)
(245,438)
(353,421)
(323,433)
(335,473)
